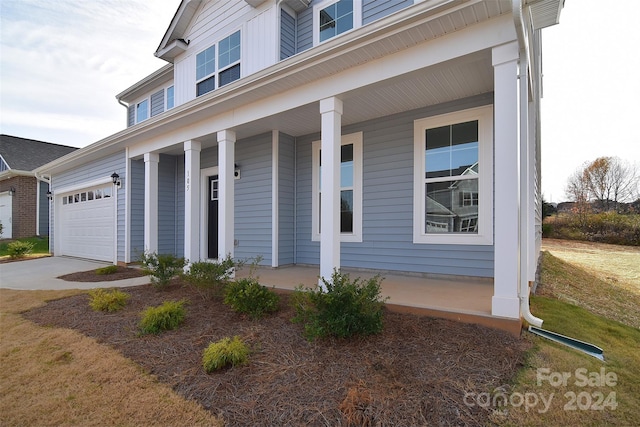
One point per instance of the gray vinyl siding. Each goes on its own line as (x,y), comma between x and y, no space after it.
(167,205)
(287,35)
(376,9)
(388,203)
(286,200)
(131,115)
(253,208)
(92,171)
(43,210)
(304,30)
(137,209)
(157,103)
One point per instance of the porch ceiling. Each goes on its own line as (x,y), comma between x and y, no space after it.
(464,77)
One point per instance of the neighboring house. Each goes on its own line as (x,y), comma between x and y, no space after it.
(24,205)
(424,117)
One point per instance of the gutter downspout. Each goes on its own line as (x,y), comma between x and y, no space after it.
(522,42)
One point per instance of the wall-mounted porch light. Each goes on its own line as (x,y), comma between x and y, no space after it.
(49,195)
(12,191)
(115,178)
(236,171)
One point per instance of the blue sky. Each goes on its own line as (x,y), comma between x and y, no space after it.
(63,62)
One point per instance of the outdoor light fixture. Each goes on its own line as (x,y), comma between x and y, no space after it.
(236,171)
(116,179)
(12,190)
(49,195)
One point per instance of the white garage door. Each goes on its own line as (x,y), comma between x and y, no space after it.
(86,223)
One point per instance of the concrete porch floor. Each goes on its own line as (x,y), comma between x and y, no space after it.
(465,299)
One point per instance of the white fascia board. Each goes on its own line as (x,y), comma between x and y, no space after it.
(10,173)
(158,77)
(172,50)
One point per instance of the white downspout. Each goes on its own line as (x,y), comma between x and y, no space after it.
(522,42)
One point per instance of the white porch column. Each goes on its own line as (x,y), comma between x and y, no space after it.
(151,161)
(192,201)
(226,166)
(331,111)
(505,301)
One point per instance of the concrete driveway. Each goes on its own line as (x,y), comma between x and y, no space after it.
(42,273)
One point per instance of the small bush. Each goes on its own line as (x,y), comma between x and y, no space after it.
(250,297)
(19,249)
(346,308)
(110,269)
(161,268)
(225,352)
(210,277)
(169,315)
(109,301)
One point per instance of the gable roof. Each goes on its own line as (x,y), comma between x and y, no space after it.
(27,154)
(172,42)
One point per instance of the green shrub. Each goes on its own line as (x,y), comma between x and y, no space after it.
(162,268)
(19,249)
(210,277)
(109,301)
(109,269)
(346,308)
(250,297)
(225,352)
(169,315)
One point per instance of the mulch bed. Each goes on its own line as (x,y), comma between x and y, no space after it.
(415,373)
(91,276)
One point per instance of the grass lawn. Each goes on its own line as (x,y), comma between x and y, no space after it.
(597,305)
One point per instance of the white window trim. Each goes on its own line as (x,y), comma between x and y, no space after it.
(217,71)
(357,18)
(356,235)
(484,115)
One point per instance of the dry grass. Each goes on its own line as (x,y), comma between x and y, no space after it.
(54,376)
(617,264)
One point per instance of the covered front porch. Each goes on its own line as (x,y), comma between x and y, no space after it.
(460,298)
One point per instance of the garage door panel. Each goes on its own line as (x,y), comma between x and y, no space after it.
(87,227)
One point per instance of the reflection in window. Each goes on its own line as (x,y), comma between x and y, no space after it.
(336,19)
(346,189)
(451,178)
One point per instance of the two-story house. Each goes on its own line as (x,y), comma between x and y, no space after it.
(394,135)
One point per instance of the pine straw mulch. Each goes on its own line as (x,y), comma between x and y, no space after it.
(92,276)
(415,373)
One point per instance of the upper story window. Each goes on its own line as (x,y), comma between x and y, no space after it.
(170,98)
(216,71)
(142,111)
(350,188)
(331,18)
(453,178)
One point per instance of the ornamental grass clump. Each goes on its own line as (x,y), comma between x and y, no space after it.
(225,352)
(19,249)
(347,307)
(109,269)
(107,300)
(169,315)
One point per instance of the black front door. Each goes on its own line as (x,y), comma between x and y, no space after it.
(212,236)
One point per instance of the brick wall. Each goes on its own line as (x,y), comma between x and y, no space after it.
(23,205)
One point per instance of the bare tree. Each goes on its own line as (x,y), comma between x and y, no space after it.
(578,192)
(610,180)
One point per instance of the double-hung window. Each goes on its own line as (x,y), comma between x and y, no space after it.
(142,111)
(170,98)
(453,169)
(219,64)
(350,188)
(334,17)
